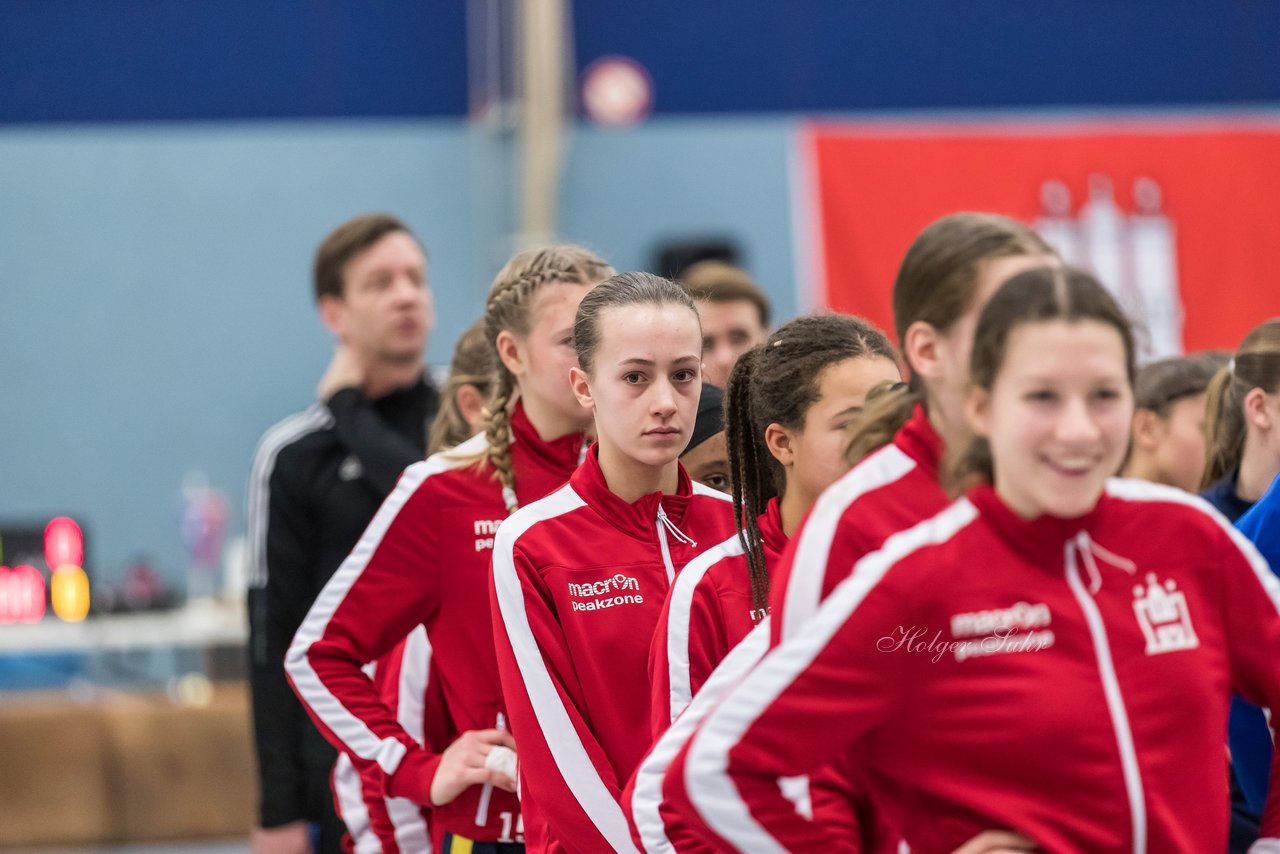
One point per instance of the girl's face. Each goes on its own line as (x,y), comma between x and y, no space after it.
(645,381)
(1057,416)
(1179,450)
(546,352)
(950,384)
(813,456)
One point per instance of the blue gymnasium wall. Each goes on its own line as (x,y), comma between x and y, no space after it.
(166,169)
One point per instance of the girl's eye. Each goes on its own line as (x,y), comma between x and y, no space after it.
(1106,394)
(566,342)
(684,376)
(633,378)
(1042,396)
(717,481)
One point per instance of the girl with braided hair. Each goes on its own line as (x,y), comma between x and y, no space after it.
(424,560)
(579,577)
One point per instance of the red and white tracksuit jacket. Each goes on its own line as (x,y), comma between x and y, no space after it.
(1065,678)
(377,824)
(890,490)
(423,559)
(709,613)
(578,581)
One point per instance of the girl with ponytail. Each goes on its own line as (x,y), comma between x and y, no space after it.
(1242,450)
(1242,423)
(424,560)
(948,274)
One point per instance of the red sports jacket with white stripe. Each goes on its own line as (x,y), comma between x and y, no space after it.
(1065,678)
(889,491)
(423,559)
(708,611)
(578,581)
(707,615)
(375,823)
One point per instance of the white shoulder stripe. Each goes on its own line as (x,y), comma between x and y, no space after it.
(700,489)
(679,609)
(313,419)
(706,769)
(804,586)
(1140,490)
(557,729)
(353,732)
(646,797)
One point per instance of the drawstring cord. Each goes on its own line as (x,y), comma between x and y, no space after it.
(1090,551)
(680,536)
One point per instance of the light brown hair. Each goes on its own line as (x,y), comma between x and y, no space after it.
(472,365)
(346,242)
(1256,364)
(936,284)
(716,281)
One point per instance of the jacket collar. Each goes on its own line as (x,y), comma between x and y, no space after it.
(1042,539)
(771,534)
(918,440)
(559,455)
(639,519)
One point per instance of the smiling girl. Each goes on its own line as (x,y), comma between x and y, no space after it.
(1084,697)
(580,577)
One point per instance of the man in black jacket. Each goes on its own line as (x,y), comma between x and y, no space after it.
(318,478)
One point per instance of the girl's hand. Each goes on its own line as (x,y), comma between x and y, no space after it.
(997,842)
(462,765)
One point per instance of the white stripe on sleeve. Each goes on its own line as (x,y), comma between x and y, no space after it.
(351,730)
(711,789)
(678,611)
(808,570)
(562,739)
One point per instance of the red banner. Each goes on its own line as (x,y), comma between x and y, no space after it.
(1179,218)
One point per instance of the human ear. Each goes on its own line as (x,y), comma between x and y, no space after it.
(778,440)
(1146,430)
(510,352)
(922,347)
(470,402)
(977,411)
(333,314)
(580,382)
(1256,412)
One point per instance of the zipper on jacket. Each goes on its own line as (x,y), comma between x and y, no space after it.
(1111,690)
(665,524)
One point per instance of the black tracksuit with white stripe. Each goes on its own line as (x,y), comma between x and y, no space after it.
(318,478)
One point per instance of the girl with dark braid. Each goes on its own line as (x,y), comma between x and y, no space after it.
(425,560)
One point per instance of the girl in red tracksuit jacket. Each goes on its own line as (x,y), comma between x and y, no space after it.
(1035,656)
(790,402)
(948,273)
(424,560)
(580,577)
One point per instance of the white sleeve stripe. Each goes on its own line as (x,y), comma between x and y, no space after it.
(681,604)
(349,729)
(710,788)
(701,489)
(257,504)
(1140,490)
(348,793)
(808,570)
(567,749)
(415,665)
(646,797)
